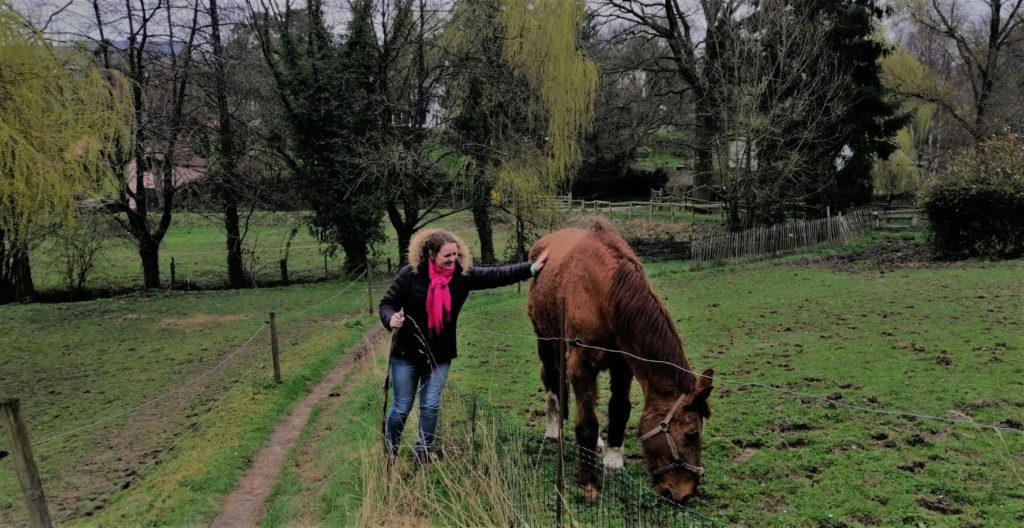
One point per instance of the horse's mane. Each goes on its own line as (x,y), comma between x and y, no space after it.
(640,318)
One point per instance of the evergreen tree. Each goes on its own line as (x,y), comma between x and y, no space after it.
(327,88)
(871,119)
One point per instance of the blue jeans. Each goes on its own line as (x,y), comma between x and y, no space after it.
(406,377)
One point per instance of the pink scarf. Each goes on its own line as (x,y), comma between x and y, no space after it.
(439,299)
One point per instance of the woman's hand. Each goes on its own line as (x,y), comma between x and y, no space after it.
(397,320)
(539,263)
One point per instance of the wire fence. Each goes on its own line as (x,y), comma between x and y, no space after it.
(531,477)
(239,363)
(778,240)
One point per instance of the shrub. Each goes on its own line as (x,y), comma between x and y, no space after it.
(657,240)
(976,205)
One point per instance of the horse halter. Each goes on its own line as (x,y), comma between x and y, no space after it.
(677,460)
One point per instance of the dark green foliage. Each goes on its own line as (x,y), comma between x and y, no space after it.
(329,86)
(630,183)
(975,207)
(869,122)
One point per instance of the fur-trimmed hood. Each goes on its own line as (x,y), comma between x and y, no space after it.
(417,250)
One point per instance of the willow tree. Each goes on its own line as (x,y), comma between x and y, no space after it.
(59,119)
(901,172)
(521,96)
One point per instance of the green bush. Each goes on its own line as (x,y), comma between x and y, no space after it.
(975,206)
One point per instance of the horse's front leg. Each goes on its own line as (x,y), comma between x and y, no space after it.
(584,384)
(619,407)
(550,374)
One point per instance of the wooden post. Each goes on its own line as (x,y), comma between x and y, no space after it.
(369,287)
(173,278)
(325,266)
(275,352)
(24,464)
(472,424)
(283,263)
(560,483)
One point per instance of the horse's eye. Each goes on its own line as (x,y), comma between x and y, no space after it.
(691,437)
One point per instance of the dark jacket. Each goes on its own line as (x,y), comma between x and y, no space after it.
(409,291)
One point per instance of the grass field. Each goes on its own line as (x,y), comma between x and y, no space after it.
(196,243)
(206,410)
(942,340)
(854,325)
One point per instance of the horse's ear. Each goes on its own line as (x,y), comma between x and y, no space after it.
(704,383)
(702,392)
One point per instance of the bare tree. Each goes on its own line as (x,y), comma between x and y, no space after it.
(402,156)
(633,103)
(780,118)
(228,152)
(695,38)
(980,40)
(157,60)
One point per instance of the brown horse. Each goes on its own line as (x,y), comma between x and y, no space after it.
(594,288)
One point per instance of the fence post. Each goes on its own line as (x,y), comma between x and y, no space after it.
(560,484)
(472,424)
(24,464)
(173,277)
(275,352)
(325,267)
(369,287)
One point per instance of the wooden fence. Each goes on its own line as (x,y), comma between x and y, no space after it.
(638,209)
(898,220)
(773,241)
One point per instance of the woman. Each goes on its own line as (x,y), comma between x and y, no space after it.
(422,306)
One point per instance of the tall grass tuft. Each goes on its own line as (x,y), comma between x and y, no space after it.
(468,485)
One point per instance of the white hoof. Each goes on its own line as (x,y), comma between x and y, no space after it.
(551,432)
(613,460)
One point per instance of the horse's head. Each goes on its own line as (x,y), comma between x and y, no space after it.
(672,434)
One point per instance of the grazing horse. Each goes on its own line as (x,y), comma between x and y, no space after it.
(594,289)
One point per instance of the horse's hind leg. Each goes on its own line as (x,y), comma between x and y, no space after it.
(549,352)
(619,407)
(583,379)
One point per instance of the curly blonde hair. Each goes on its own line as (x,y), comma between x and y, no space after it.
(429,241)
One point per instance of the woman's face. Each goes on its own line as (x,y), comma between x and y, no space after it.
(445,258)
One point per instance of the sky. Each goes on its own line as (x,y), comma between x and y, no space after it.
(73,19)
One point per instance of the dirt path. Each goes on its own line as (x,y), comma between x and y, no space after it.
(245,506)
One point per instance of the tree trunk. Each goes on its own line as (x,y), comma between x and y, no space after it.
(482,217)
(404,228)
(356,256)
(229,158)
(149,253)
(236,272)
(15,271)
(704,140)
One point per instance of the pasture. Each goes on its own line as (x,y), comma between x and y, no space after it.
(197,363)
(196,242)
(869,325)
(842,328)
